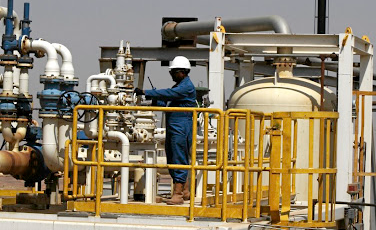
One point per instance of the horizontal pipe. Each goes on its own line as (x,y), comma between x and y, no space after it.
(109,78)
(14,163)
(171,30)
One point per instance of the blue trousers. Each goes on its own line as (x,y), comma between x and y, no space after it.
(178,144)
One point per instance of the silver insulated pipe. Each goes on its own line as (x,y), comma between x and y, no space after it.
(172,30)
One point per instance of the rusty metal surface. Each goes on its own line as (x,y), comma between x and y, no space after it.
(15,163)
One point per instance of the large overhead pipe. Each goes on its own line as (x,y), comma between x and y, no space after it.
(172,30)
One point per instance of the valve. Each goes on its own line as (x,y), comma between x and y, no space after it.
(70,99)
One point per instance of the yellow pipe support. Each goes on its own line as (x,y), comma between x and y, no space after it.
(74,153)
(204,201)
(334,165)
(193,172)
(310,165)
(93,168)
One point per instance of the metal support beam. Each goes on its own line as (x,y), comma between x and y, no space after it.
(345,130)
(216,68)
(366,84)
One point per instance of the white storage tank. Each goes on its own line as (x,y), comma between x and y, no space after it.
(279,94)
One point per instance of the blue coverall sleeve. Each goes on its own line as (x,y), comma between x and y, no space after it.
(176,93)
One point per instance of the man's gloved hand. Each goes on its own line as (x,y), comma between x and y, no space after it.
(139,92)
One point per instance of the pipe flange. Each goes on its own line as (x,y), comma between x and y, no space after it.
(284,61)
(25,65)
(4,63)
(168,31)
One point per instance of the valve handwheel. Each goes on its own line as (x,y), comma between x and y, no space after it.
(70,99)
(87,98)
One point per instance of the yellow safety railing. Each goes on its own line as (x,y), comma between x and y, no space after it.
(282,173)
(246,165)
(359,169)
(97,160)
(281,166)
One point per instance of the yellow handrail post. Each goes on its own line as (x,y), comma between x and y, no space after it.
(274,178)
(99,167)
(193,163)
(286,164)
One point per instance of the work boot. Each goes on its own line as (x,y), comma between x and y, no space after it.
(177,197)
(186,193)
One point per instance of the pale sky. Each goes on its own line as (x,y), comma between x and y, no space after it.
(84,25)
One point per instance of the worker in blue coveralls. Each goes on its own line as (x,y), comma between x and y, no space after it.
(178,124)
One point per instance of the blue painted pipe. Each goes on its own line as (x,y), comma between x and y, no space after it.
(26,20)
(9,19)
(26,10)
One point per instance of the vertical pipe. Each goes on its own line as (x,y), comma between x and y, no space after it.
(205,160)
(24,81)
(310,175)
(193,163)
(224,175)
(149,158)
(321,17)
(322,108)
(8,80)
(9,21)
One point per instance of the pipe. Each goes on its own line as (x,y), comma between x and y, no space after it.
(14,163)
(8,80)
(16,24)
(124,159)
(49,145)
(24,82)
(321,17)
(14,138)
(91,128)
(109,78)
(171,30)
(52,65)
(66,69)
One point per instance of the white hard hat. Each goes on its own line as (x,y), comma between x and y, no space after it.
(180,62)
